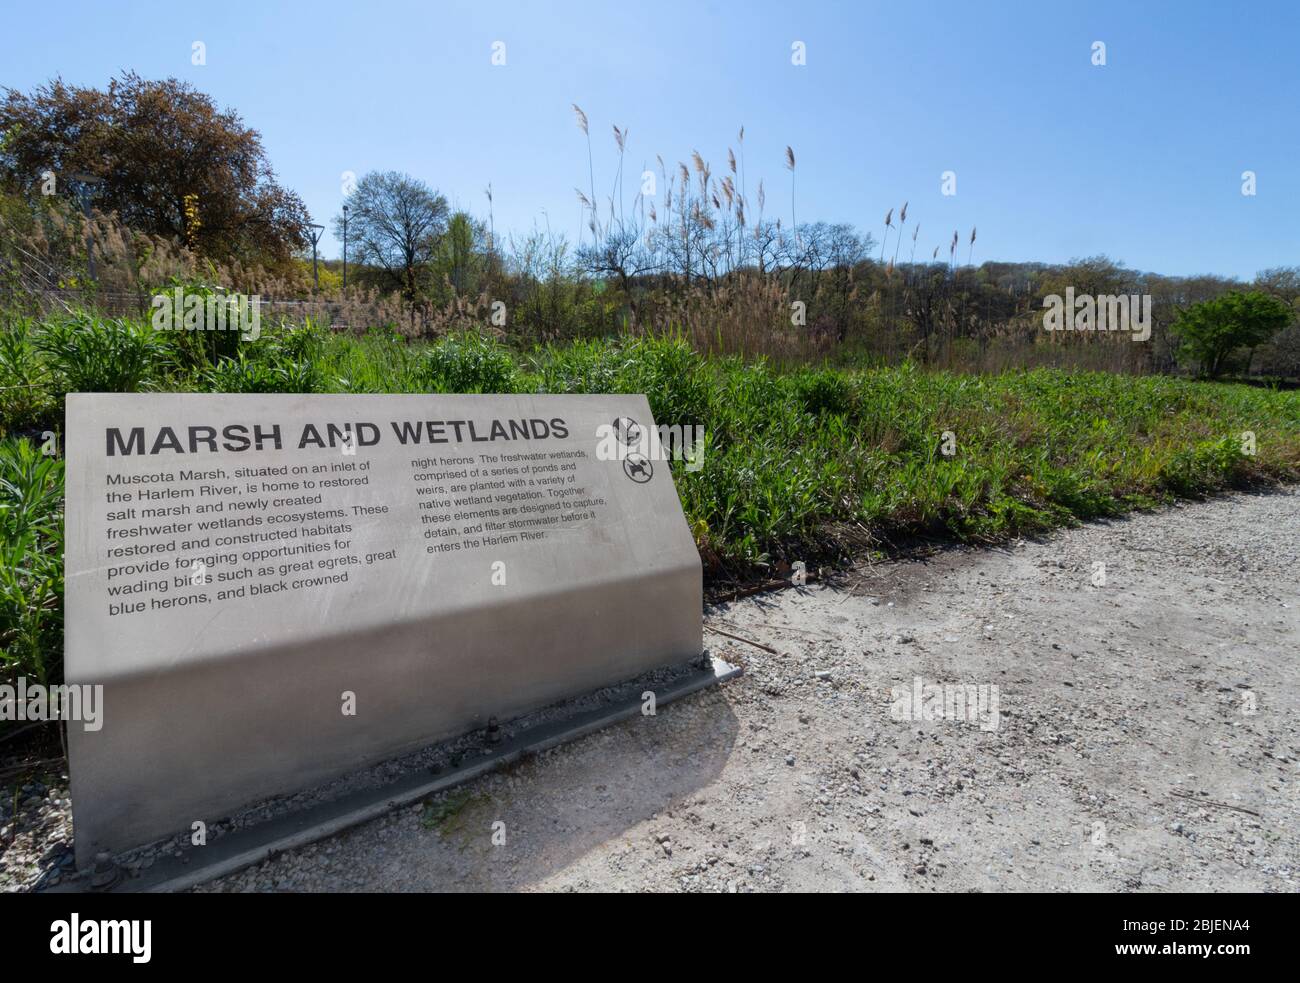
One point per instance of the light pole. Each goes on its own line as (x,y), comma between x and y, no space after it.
(345,247)
(84,183)
(315,238)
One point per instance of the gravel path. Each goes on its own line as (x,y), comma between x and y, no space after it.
(1145,738)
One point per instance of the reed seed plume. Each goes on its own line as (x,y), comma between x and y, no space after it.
(620,140)
(591,167)
(741,139)
(789,163)
(902,219)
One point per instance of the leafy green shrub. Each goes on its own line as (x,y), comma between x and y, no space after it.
(1206,466)
(282,361)
(91,354)
(25,401)
(466,363)
(673,377)
(269,373)
(667,370)
(193,348)
(822,392)
(31,562)
(303,344)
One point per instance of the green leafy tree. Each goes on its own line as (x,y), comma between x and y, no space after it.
(460,255)
(1211,332)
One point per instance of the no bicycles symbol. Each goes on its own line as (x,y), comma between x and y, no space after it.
(627,430)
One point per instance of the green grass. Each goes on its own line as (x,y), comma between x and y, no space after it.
(795,463)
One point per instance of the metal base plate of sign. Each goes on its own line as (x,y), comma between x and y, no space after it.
(253,844)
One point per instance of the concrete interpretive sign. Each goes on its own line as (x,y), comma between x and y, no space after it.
(276,589)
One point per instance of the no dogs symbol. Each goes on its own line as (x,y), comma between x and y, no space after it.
(638,468)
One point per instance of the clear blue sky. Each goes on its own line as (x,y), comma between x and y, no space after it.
(1055,158)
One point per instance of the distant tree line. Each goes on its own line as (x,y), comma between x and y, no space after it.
(182,190)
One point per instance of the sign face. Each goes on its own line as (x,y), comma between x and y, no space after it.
(276,589)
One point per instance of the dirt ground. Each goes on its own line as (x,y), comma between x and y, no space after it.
(1136,734)
(1144,738)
